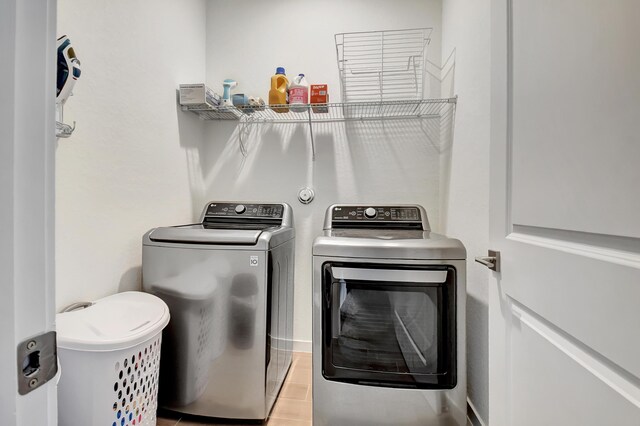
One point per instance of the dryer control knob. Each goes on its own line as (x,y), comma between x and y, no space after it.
(240,208)
(370,213)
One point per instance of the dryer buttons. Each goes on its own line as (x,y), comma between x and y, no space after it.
(370,213)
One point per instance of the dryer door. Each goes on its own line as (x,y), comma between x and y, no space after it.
(389,325)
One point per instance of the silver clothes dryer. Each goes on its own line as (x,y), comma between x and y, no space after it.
(388,320)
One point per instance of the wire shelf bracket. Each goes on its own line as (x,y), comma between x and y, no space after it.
(63,130)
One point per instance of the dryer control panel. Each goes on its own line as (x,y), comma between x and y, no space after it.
(388,216)
(384,213)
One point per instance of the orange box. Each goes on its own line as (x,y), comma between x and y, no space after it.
(319,97)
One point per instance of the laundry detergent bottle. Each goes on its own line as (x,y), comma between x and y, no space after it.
(278,95)
(299,94)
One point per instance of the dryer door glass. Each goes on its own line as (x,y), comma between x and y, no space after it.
(389,325)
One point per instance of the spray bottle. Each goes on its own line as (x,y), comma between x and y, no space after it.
(228,84)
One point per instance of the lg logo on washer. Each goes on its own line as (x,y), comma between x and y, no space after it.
(253,261)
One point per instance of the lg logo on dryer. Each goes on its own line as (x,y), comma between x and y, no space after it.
(253,261)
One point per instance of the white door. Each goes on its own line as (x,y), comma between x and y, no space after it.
(564,320)
(27,144)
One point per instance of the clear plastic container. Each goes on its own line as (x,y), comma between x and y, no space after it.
(299,94)
(278,95)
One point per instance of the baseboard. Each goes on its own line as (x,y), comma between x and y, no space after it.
(472,416)
(302,346)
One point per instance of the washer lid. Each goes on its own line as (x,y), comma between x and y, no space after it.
(115,322)
(199,234)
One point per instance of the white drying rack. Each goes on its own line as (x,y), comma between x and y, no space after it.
(382,65)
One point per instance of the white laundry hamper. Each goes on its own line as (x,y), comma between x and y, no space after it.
(109,354)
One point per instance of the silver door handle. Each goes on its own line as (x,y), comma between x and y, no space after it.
(492,261)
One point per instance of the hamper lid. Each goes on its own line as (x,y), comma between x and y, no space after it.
(112,323)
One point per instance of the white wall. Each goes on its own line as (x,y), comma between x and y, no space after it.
(136,161)
(376,162)
(466,207)
(125,169)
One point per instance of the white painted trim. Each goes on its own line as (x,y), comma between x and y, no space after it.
(619,382)
(302,346)
(8,360)
(27,161)
(499,226)
(605,254)
(473,416)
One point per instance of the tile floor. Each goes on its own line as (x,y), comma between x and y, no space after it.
(293,407)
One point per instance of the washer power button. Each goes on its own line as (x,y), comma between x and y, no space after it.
(370,212)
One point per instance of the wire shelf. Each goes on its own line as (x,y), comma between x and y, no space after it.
(216,113)
(327,113)
(334,112)
(382,65)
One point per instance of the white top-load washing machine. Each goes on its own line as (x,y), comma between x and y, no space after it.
(228,282)
(388,320)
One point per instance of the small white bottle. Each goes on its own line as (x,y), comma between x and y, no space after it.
(299,94)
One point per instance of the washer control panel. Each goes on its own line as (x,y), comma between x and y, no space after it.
(375,213)
(245,210)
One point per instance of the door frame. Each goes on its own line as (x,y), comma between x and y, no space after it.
(499,226)
(27,184)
